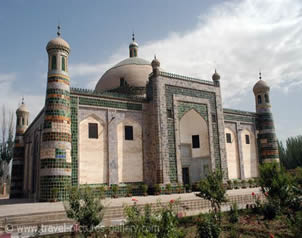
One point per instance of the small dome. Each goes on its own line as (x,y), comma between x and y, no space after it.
(215,76)
(58,43)
(134,70)
(133,44)
(155,63)
(22,108)
(261,86)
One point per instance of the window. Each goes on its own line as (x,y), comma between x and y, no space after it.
(247,139)
(169,113)
(93,130)
(266,98)
(122,82)
(195,141)
(63,64)
(213,117)
(19,121)
(23,121)
(53,62)
(128,132)
(259,99)
(228,137)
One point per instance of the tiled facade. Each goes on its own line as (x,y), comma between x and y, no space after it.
(156,118)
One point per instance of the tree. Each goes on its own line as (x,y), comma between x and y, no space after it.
(211,188)
(85,208)
(291,154)
(6,144)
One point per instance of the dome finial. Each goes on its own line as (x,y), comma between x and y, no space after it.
(133,36)
(22,100)
(260,77)
(59,30)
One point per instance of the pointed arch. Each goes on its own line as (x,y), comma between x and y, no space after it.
(130,151)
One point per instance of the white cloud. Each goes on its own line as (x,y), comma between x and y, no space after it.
(238,38)
(11,98)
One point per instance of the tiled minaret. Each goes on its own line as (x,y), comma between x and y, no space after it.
(55,170)
(17,179)
(267,140)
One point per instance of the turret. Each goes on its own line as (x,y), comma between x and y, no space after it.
(216,78)
(55,155)
(267,140)
(133,48)
(22,115)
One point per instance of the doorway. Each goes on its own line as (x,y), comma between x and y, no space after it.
(185,176)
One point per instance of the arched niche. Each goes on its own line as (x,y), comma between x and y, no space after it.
(93,166)
(194,146)
(250,162)
(130,151)
(232,154)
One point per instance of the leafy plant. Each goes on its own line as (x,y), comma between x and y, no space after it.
(208,227)
(83,207)
(114,189)
(233,213)
(168,188)
(250,182)
(144,188)
(129,190)
(157,189)
(235,182)
(54,193)
(102,192)
(291,153)
(211,188)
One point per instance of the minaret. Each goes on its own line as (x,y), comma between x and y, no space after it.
(267,140)
(17,179)
(133,48)
(55,170)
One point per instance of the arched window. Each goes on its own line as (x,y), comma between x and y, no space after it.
(63,64)
(53,62)
(259,99)
(23,121)
(266,98)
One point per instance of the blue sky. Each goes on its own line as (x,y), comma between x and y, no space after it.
(189,37)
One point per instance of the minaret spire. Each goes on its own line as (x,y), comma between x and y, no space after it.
(133,47)
(59,30)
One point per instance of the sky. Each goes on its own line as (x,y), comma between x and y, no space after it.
(192,38)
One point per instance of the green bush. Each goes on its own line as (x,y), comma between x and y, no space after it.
(129,189)
(54,194)
(157,189)
(85,209)
(114,189)
(144,188)
(145,223)
(236,182)
(208,227)
(102,192)
(233,213)
(276,183)
(211,188)
(168,188)
(271,209)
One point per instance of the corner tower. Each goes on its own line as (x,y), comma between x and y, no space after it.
(22,115)
(55,170)
(267,139)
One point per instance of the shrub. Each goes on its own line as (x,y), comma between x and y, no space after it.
(250,182)
(114,189)
(233,213)
(208,227)
(144,188)
(229,184)
(54,194)
(129,190)
(168,188)
(270,209)
(235,182)
(102,192)
(188,188)
(83,207)
(276,183)
(157,189)
(211,188)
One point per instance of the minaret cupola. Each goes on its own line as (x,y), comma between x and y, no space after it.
(133,48)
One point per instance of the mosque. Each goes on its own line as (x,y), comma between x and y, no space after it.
(141,124)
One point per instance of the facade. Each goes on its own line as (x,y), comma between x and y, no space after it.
(140,124)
